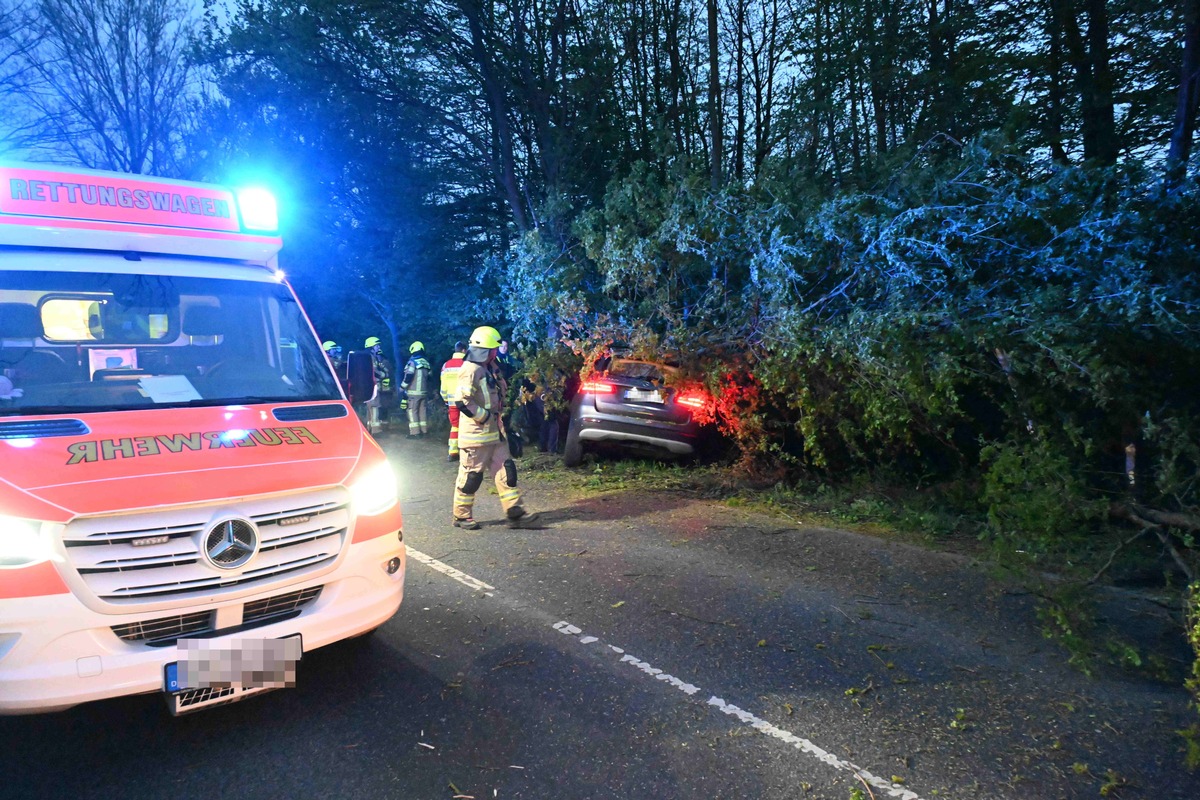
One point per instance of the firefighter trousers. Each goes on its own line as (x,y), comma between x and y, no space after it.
(418,416)
(452,410)
(473,464)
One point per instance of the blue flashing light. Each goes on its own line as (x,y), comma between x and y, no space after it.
(259,212)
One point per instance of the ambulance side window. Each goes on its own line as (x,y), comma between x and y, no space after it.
(103,318)
(72,319)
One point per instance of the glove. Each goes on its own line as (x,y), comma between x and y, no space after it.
(404,403)
(387,384)
(516,444)
(482,416)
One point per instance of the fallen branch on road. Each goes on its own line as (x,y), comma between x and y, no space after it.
(697,619)
(512,662)
(1150,519)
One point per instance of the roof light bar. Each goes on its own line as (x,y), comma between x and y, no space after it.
(259,212)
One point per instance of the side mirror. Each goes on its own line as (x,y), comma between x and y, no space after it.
(360,377)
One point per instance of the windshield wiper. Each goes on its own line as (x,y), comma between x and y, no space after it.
(36,411)
(249,400)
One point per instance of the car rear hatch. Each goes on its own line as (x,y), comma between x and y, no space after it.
(636,391)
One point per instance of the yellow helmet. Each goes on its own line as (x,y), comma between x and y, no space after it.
(415,346)
(371,342)
(485,336)
(327,346)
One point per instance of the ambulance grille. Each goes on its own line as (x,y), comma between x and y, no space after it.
(166,630)
(281,604)
(151,630)
(151,557)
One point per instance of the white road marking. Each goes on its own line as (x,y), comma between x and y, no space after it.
(762,726)
(758,724)
(446,569)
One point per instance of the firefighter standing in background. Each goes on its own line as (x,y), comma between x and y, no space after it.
(449,390)
(415,385)
(383,384)
(333,353)
(481,391)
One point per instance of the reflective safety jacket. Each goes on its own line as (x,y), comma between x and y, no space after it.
(479,387)
(416,376)
(450,370)
(383,372)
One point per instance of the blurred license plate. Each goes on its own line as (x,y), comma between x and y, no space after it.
(643,397)
(242,664)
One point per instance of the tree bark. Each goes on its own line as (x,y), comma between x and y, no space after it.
(497,102)
(1093,77)
(1054,100)
(739,55)
(716,123)
(1188,98)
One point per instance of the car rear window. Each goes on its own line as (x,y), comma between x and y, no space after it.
(623,368)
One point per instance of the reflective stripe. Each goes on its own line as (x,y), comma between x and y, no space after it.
(487,392)
(449,378)
(461,499)
(472,438)
(509,494)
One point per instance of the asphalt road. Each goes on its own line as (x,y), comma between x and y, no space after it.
(651,646)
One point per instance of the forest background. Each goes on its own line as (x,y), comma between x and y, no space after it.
(948,245)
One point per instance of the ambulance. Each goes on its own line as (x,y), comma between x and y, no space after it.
(188,502)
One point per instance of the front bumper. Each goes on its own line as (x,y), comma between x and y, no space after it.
(56,653)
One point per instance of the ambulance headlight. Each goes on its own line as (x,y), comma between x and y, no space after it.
(21,542)
(259,212)
(375,492)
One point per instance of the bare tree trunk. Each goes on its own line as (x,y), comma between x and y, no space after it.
(852,88)
(1093,77)
(876,70)
(764,57)
(1101,109)
(497,102)
(1054,113)
(716,123)
(739,54)
(676,79)
(1189,97)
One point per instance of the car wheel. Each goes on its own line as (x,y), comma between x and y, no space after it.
(573,449)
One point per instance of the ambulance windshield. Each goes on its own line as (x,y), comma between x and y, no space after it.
(73,342)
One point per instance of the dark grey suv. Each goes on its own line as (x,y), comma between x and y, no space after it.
(626,404)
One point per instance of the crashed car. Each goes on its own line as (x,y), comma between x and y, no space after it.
(627,404)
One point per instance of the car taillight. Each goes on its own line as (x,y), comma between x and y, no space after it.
(598,387)
(696,400)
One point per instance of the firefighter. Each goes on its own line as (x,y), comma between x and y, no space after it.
(415,386)
(333,352)
(481,436)
(383,383)
(449,389)
(337,361)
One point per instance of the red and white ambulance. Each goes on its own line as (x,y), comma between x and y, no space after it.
(188,503)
